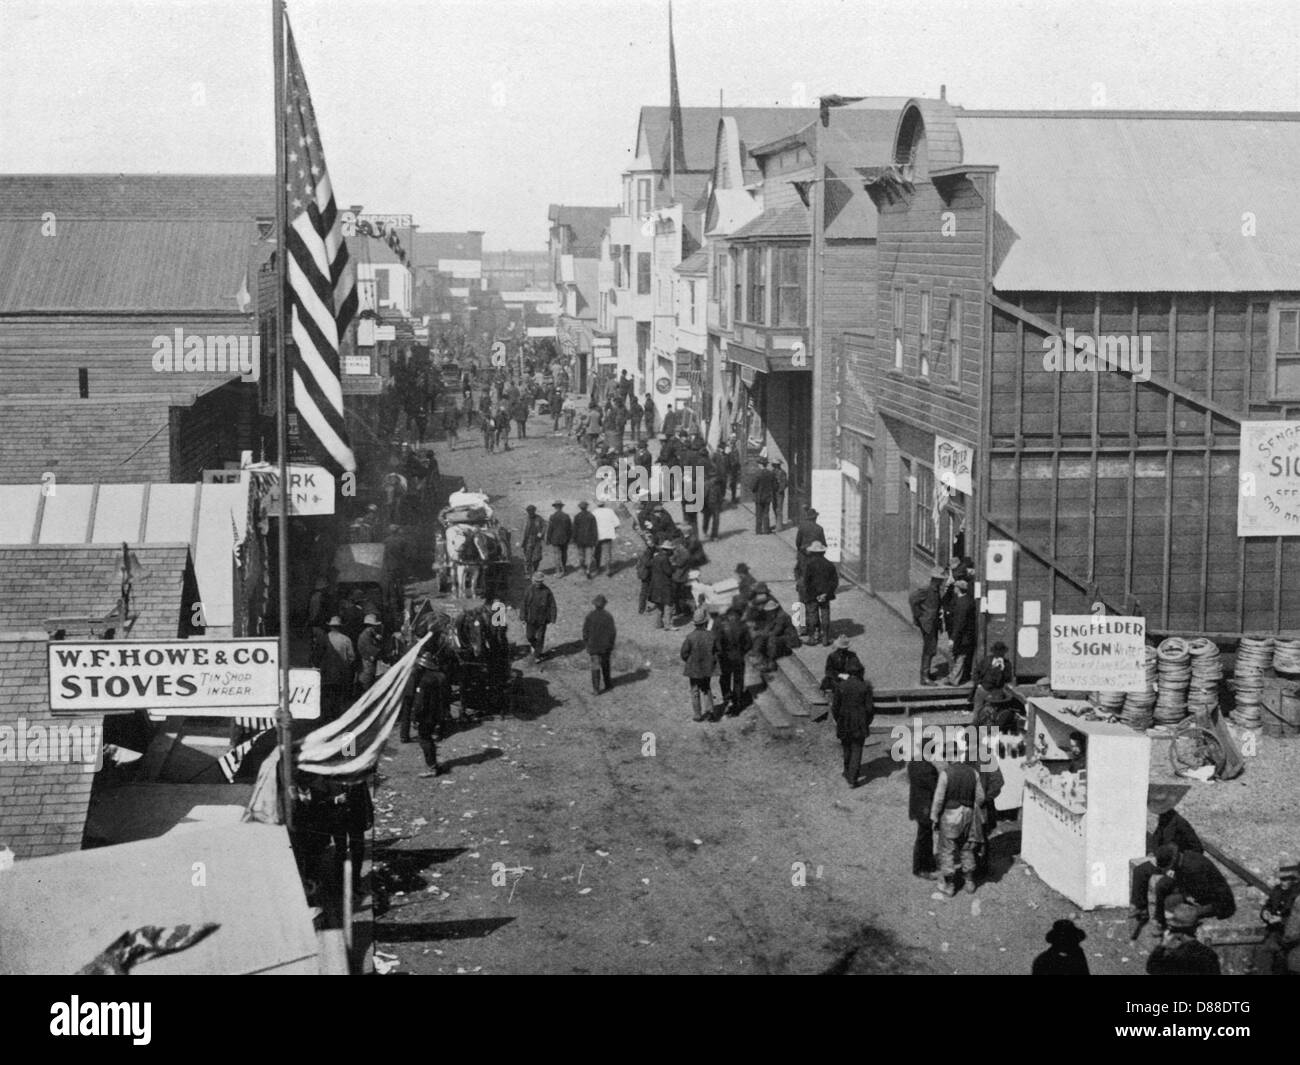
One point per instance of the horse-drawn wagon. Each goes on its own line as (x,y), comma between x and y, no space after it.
(474,548)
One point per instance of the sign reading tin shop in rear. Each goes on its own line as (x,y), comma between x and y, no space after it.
(181,677)
(1093,652)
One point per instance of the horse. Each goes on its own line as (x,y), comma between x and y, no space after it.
(466,562)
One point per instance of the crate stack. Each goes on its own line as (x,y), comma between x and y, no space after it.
(1173,677)
(1254,661)
(1139,706)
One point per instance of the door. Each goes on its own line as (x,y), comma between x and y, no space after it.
(851,530)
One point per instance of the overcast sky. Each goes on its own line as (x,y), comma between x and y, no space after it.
(477,115)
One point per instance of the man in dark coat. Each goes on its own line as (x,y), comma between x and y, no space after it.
(1180,953)
(662,592)
(598,633)
(643,563)
(669,427)
(1171,828)
(764,489)
(961,629)
(992,676)
(585,537)
(777,638)
(669,451)
(370,646)
(922,779)
(1064,957)
(538,611)
(699,653)
(715,495)
(648,416)
(731,464)
(519,412)
(559,531)
(840,660)
(734,642)
(429,704)
(820,581)
(780,484)
(925,613)
(1186,878)
(851,707)
(336,658)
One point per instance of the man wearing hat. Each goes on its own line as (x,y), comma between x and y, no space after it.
(744,581)
(336,660)
(1064,957)
(961,630)
(731,466)
(598,633)
(1180,953)
(925,613)
(820,581)
(734,643)
(780,482)
(764,488)
(852,710)
(777,636)
(663,589)
(559,531)
(992,676)
(370,645)
(532,539)
(1171,827)
(1189,879)
(538,611)
(840,660)
(585,537)
(699,653)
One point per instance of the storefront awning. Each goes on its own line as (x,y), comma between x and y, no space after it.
(754,360)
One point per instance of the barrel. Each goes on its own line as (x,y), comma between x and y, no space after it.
(1286,722)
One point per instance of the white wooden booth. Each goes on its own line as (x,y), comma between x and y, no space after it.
(1080,832)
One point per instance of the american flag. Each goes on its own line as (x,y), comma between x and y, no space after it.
(322,289)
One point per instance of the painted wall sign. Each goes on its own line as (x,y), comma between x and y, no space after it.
(1268,490)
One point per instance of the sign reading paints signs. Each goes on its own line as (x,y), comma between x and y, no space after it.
(1095,653)
(1268,495)
(183,677)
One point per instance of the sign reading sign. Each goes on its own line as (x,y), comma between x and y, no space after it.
(311,492)
(1268,490)
(953,465)
(183,677)
(1095,653)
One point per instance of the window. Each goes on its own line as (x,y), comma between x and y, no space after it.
(954,340)
(627,265)
(925,334)
(627,195)
(1286,351)
(381,285)
(643,273)
(790,267)
(617,254)
(923,508)
(642,197)
(757,307)
(737,286)
(900,310)
(690,286)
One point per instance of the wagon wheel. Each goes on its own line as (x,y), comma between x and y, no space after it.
(1194,747)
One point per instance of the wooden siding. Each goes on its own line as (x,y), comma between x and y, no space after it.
(848,302)
(1122,491)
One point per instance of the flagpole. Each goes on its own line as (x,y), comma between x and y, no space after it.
(284,734)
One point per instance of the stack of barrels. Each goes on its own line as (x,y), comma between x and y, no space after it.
(1139,706)
(1254,660)
(1173,677)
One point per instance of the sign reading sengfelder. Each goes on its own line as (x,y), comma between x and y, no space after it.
(1095,653)
(183,677)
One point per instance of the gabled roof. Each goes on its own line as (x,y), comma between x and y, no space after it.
(700,128)
(125,265)
(781,222)
(42,802)
(732,208)
(43,582)
(696,263)
(1131,201)
(209,197)
(587,224)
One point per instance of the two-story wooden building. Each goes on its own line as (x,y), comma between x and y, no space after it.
(1166,241)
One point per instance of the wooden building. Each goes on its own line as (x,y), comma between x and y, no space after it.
(1164,240)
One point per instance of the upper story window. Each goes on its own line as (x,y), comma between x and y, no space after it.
(690,289)
(1284,374)
(900,312)
(790,270)
(737,285)
(643,273)
(627,195)
(642,197)
(954,340)
(756,309)
(627,265)
(924,347)
(616,253)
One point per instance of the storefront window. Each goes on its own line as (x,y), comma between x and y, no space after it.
(923,508)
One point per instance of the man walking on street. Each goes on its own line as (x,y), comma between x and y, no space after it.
(925,613)
(429,708)
(533,539)
(370,645)
(643,563)
(598,634)
(733,643)
(336,660)
(663,590)
(607,523)
(922,779)
(957,798)
(781,481)
(852,709)
(585,537)
(715,495)
(559,531)
(820,581)
(699,653)
(538,612)
(731,463)
(764,487)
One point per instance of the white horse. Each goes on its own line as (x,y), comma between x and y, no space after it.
(464,558)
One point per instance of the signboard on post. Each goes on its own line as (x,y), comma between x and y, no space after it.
(1092,652)
(193,678)
(1268,476)
(828,501)
(311,493)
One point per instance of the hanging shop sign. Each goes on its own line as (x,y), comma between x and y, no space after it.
(1268,488)
(1093,652)
(184,677)
(954,464)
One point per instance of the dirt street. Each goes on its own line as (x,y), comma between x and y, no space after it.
(614,834)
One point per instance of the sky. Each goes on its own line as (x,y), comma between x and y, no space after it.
(477,115)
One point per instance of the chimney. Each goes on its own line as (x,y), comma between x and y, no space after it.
(943,93)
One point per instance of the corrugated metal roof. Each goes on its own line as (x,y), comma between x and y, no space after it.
(213,197)
(1133,203)
(789,222)
(700,131)
(124,265)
